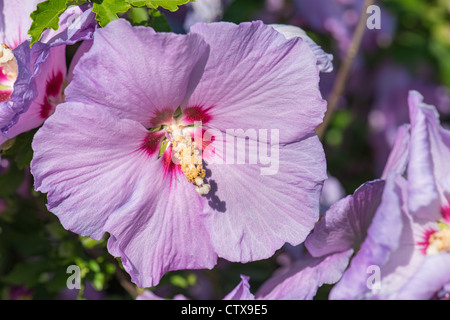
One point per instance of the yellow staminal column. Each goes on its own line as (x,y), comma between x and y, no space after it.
(189,158)
(439,242)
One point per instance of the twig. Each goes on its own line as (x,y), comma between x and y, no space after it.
(125,282)
(343,73)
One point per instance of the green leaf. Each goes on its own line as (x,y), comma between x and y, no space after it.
(138,16)
(11,180)
(20,149)
(178,113)
(107,10)
(99,281)
(90,243)
(158,21)
(179,281)
(171,5)
(94,266)
(46,16)
(28,273)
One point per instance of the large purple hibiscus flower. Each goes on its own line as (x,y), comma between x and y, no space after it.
(122,155)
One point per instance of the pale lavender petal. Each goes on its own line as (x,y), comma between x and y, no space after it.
(47,90)
(15,21)
(269,82)
(39,68)
(136,85)
(439,150)
(7,114)
(241,292)
(250,213)
(399,156)
(305,277)
(25,89)
(423,200)
(77,23)
(383,238)
(345,224)
(100,179)
(428,281)
(324,60)
(408,257)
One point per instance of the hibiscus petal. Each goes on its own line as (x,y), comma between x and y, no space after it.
(7,114)
(256,78)
(241,292)
(345,224)
(15,21)
(28,65)
(99,179)
(47,85)
(302,280)
(39,67)
(399,156)
(423,200)
(143,72)
(324,60)
(383,237)
(77,23)
(251,214)
(429,279)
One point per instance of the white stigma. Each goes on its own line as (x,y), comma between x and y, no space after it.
(8,64)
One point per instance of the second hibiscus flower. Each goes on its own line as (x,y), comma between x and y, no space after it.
(121,156)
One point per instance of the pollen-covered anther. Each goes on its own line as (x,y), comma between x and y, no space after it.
(439,242)
(189,158)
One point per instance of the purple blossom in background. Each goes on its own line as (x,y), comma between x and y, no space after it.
(195,12)
(205,11)
(39,74)
(20,293)
(339,19)
(114,162)
(332,192)
(402,229)
(390,108)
